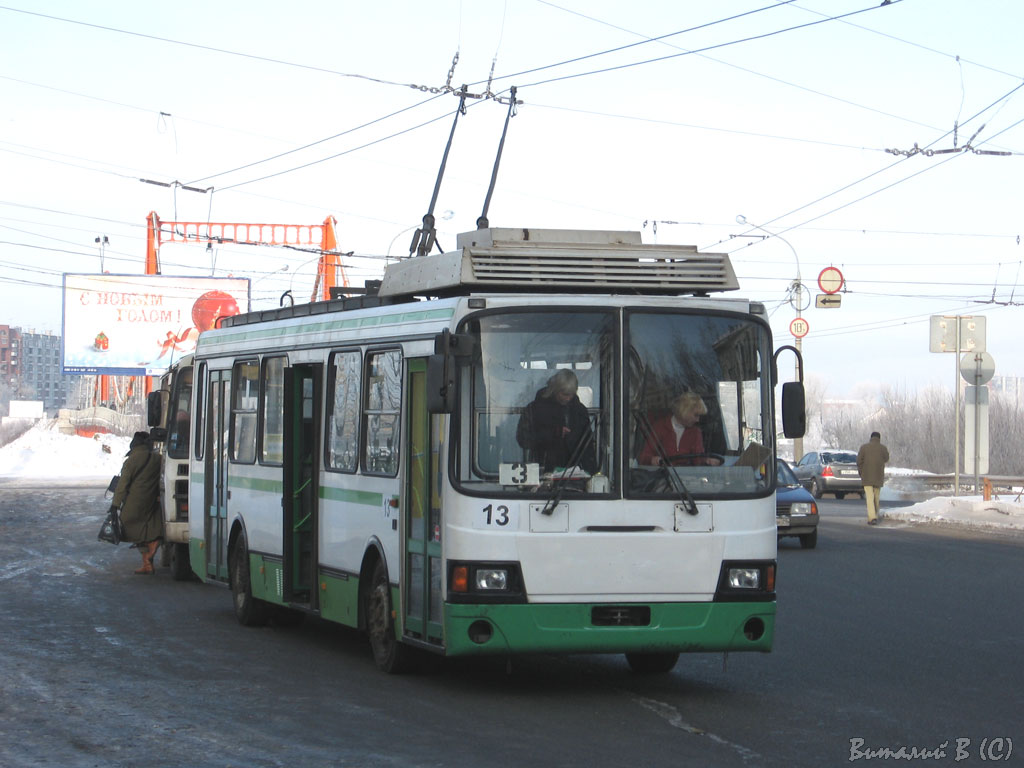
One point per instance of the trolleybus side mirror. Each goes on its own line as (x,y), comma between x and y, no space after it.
(440,384)
(794,414)
(154,409)
(450,350)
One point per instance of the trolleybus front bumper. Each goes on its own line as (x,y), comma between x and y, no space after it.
(607,628)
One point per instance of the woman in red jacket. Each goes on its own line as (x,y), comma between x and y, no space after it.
(678,434)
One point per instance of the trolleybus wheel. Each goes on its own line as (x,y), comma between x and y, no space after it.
(389,654)
(652,663)
(249,611)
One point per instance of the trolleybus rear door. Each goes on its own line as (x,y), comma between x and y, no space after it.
(216,472)
(422,513)
(302,394)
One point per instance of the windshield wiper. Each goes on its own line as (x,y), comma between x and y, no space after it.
(559,485)
(670,473)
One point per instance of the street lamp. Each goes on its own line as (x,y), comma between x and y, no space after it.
(796,294)
(253,283)
(291,283)
(285,268)
(103,242)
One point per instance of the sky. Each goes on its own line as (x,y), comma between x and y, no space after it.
(93,461)
(815,121)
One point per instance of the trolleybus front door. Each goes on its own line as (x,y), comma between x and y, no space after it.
(216,471)
(422,506)
(301,486)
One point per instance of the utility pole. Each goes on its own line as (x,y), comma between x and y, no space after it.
(796,295)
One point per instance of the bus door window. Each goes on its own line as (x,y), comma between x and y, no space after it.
(272,412)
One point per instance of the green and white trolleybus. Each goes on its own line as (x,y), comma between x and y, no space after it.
(358,459)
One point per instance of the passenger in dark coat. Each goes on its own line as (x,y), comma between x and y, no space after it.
(137,496)
(555,425)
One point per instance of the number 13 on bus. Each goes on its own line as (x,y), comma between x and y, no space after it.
(543,441)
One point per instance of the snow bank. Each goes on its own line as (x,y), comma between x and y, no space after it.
(45,453)
(972,511)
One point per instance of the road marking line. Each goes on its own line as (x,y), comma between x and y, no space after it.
(673,717)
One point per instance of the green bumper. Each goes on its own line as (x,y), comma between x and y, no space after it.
(570,628)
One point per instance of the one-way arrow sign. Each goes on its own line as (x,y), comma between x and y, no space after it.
(827,300)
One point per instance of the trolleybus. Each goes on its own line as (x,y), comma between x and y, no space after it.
(169,410)
(362,459)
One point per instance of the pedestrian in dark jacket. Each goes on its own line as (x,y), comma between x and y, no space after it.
(871,460)
(137,496)
(555,428)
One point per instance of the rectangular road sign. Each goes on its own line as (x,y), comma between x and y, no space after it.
(827,300)
(943,333)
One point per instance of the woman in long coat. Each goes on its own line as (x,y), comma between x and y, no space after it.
(137,495)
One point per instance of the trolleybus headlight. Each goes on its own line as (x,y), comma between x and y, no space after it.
(746,580)
(475,582)
(490,579)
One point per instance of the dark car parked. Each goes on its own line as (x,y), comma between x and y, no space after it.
(829,472)
(796,514)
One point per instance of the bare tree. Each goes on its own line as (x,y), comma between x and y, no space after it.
(917,427)
(1006,436)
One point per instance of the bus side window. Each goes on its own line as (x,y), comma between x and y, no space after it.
(343,412)
(383,403)
(244,399)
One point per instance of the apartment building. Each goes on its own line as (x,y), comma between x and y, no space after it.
(30,364)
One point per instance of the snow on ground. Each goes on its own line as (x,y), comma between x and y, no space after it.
(44,453)
(1003,513)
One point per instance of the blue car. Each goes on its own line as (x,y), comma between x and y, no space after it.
(796,513)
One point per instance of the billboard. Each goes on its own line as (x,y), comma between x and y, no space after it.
(137,325)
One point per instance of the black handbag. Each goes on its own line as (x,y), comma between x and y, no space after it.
(112,530)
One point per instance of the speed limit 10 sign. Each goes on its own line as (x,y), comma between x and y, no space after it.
(799,327)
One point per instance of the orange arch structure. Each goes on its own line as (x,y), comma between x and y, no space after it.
(316,235)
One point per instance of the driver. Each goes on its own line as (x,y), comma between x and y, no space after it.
(678,434)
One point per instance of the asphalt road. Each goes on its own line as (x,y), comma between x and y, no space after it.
(896,635)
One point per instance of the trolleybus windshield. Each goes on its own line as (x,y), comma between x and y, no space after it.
(628,368)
